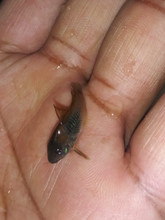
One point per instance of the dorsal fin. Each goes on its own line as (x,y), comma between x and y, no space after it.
(75,88)
(60,112)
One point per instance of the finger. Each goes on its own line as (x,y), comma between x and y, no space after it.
(30,87)
(147,154)
(25,25)
(130,68)
(78,33)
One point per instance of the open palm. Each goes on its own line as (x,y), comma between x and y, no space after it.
(46,45)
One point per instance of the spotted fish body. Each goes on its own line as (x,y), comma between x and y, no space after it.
(68,129)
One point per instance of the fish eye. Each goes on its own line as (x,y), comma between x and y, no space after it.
(61,151)
(66,149)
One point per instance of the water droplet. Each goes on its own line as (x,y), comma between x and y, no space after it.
(9,191)
(59,66)
(112,106)
(71,34)
(124,27)
(115,107)
(68,8)
(128,68)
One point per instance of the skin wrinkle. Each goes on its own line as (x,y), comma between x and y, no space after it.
(26,122)
(153,5)
(140,30)
(9,45)
(48,179)
(9,103)
(134,48)
(153,133)
(53,185)
(21,173)
(4,197)
(130,57)
(58,60)
(32,171)
(91,13)
(4,58)
(16,61)
(92,212)
(5,212)
(52,58)
(71,48)
(117,52)
(9,66)
(145,189)
(110,86)
(4,194)
(98,102)
(113,111)
(3,179)
(118,34)
(103,81)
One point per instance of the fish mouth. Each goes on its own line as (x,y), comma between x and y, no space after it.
(54,158)
(54,154)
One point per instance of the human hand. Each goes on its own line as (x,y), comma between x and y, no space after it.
(41,54)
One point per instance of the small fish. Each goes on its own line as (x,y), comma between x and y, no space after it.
(66,133)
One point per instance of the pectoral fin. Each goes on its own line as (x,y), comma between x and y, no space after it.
(80,153)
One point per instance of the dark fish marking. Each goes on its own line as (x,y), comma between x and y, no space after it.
(73,124)
(66,133)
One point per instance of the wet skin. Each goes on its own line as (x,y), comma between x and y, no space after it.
(122,48)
